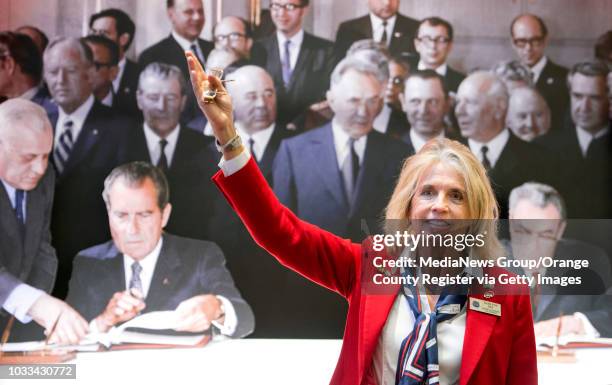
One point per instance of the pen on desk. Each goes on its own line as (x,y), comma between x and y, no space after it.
(46,346)
(555,349)
(6,333)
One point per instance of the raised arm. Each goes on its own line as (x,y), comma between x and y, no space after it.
(319,255)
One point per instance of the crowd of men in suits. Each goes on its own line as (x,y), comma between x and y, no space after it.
(329,123)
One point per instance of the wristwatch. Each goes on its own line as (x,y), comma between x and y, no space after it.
(232,144)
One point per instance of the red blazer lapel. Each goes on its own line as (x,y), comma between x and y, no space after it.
(478,329)
(373,314)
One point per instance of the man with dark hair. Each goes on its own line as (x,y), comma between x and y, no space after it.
(38,37)
(187,19)
(89,142)
(529,40)
(585,144)
(299,62)
(183,154)
(144,269)
(21,69)
(426,102)
(385,24)
(117,26)
(434,42)
(106,59)
(603,48)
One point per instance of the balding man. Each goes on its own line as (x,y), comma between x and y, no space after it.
(89,142)
(482,103)
(27,260)
(529,40)
(234,32)
(528,114)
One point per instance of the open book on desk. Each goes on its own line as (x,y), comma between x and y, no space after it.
(573,341)
(147,331)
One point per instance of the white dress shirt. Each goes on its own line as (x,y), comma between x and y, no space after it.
(418,141)
(537,69)
(585,138)
(153,144)
(341,139)
(77,117)
(108,99)
(21,299)
(294,47)
(381,122)
(495,145)
(440,70)
(377,27)
(186,45)
(260,138)
(117,80)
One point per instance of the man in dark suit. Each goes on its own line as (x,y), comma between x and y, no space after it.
(89,142)
(144,269)
(299,63)
(391,120)
(234,32)
(27,260)
(482,103)
(590,124)
(187,18)
(385,24)
(538,222)
(183,154)
(254,101)
(529,40)
(21,69)
(106,59)
(117,26)
(433,42)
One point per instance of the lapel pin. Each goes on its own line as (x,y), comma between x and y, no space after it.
(165,282)
(489,294)
(550,81)
(397,34)
(95,132)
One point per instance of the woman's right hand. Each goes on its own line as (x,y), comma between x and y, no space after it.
(218,110)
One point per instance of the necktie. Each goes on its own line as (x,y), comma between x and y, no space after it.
(19,198)
(350,170)
(162,163)
(418,356)
(286,64)
(252,148)
(196,51)
(485,160)
(383,38)
(135,282)
(63,147)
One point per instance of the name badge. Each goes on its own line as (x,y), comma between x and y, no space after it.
(487,307)
(451,308)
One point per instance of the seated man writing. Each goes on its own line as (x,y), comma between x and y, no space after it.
(143,269)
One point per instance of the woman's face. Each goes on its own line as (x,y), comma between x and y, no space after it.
(439,197)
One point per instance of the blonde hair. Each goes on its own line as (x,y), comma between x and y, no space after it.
(483,210)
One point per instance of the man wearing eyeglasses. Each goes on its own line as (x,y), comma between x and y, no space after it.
(180,152)
(106,60)
(235,33)
(434,42)
(384,24)
(89,141)
(117,26)
(299,62)
(529,40)
(537,225)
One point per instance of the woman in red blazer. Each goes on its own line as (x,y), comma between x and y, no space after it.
(444,181)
